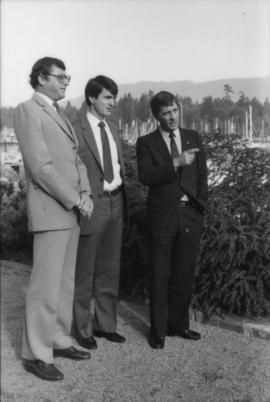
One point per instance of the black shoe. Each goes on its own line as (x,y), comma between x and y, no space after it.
(156,342)
(71,353)
(88,343)
(43,370)
(111,336)
(185,333)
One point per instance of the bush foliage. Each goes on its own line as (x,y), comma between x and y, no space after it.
(134,264)
(15,238)
(233,267)
(233,270)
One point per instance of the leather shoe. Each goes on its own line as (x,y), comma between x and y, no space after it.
(88,343)
(156,342)
(110,336)
(185,333)
(71,353)
(43,370)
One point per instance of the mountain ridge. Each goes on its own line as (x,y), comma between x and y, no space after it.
(258,87)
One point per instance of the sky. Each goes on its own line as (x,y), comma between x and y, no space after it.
(133,40)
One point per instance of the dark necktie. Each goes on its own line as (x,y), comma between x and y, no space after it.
(174,154)
(173,146)
(107,159)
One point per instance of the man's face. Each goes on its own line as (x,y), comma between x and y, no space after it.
(102,106)
(54,85)
(168,117)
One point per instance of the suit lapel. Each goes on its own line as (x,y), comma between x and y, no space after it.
(89,138)
(185,140)
(119,148)
(69,126)
(62,122)
(161,145)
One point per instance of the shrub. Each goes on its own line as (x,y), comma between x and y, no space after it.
(233,270)
(15,238)
(134,262)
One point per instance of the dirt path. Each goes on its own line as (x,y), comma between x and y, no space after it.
(223,367)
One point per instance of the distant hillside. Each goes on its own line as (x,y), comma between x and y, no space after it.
(252,87)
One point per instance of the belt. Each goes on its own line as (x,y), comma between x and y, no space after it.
(112,193)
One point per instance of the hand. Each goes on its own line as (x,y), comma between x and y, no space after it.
(85,205)
(185,158)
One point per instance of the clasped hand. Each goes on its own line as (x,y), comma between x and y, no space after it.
(85,205)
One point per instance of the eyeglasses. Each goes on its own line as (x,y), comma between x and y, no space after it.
(61,78)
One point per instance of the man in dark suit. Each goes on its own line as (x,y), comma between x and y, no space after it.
(57,191)
(98,258)
(172,162)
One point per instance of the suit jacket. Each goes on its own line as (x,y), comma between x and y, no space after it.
(89,154)
(55,174)
(166,187)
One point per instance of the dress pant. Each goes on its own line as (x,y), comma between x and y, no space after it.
(174,248)
(49,298)
(98,271)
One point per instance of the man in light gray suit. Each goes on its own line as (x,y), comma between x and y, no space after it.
(98,259)
(57,192)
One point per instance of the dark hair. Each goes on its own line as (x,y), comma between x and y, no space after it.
(162,98)
(95,86)
(43,67)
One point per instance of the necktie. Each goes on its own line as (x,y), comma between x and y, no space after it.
(57,107)
(174,154)
(173,146)
(62,116)
(107,159)
(59,111)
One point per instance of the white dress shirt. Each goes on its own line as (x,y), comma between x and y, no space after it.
(94,121)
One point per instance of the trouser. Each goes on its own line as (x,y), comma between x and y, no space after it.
(49,298)
(98,270)
(173,253)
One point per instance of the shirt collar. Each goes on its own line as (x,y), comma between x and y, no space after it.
(93,119)
(165,134)
(46,98)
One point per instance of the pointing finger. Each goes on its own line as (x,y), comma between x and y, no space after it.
(192,150)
